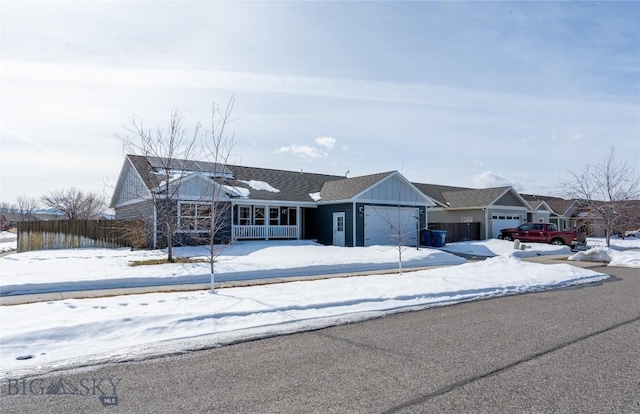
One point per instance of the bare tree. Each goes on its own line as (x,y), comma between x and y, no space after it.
(6,210)
(219,145)
(26,206)
(73,203)
(403,229)
(606,191)
(169,147)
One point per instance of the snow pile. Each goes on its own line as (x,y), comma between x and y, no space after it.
(611,256)
(68,332)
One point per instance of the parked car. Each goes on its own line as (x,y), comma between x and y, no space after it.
(632,233)
(544,233)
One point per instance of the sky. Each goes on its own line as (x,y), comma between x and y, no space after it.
(471,94)
(59,333)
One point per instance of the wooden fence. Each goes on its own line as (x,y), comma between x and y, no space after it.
(457,232)
(73,234)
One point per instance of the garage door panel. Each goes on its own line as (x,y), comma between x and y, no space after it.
(504,222)
(383,225)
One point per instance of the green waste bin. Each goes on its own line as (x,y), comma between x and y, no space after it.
(438,238)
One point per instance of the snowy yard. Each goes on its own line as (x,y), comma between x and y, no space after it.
(42,336)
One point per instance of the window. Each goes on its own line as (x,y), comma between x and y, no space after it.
(274,216)
(244,215)
(194,216)
(258,216)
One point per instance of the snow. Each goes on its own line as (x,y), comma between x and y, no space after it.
(240,191)
(260,185)
(66,333)
(618,254)
(8,241)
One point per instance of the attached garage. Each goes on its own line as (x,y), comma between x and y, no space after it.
(383,225)
(499,222)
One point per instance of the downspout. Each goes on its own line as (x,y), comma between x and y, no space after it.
(155,226)
(353,235)
(486,223)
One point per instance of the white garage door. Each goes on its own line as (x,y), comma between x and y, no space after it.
(383,225)
(500,222)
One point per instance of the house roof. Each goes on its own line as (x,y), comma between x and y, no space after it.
(347,188)
(260,183)
(558,205)
(278,185)
(462,197)
(474,197)
(436,192)
(282,185)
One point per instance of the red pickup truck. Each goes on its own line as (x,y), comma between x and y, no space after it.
(543,233)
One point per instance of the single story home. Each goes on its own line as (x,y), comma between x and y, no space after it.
(383,208)
(494,208)
(559,211)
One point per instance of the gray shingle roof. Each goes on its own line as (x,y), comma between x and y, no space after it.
(557,204)
(436,192)
(347,188)
(292,185)
(473,197)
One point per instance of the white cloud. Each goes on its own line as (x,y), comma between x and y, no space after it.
(321,150)
(488,179)
(304,151)
(327,142)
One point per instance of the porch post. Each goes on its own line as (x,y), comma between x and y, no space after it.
(298,222)
(267,216)
(233,230)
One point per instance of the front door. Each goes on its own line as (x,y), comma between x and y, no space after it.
(338,229)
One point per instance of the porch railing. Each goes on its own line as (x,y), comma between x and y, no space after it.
(265,232)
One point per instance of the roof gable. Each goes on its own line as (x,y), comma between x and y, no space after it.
(387,186)
(560,206)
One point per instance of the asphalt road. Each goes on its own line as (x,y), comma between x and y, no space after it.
(574,350)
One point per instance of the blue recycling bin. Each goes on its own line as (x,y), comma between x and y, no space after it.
(425,238)
(438,238)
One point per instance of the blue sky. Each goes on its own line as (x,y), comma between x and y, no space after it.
(473,94)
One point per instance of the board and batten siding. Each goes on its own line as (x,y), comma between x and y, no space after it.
(393,189)
(132,187)
(508,200)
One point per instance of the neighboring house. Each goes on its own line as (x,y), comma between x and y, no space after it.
(559,211)
(12,216)
(494,208)
(274,204)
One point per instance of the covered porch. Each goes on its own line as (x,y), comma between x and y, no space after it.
(267,221)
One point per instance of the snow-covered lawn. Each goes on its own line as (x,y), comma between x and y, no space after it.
(7,241)
(42,336)
(82,269)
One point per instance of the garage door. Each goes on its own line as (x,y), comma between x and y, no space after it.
(500,222)
(383,225)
